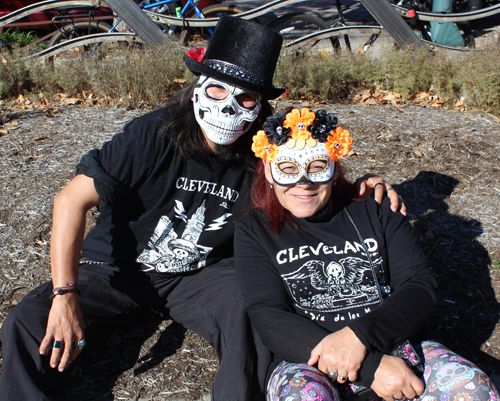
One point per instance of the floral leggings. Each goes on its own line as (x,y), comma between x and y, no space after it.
(447,377)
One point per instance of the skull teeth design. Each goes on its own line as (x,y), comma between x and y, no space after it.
(226,129)
(222,120)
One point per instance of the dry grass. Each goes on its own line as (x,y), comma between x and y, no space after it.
(141,76)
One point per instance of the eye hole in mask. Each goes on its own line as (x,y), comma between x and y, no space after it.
(315,166)
(248,100)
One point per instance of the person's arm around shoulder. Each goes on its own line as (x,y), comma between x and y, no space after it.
(65,323)
(380,187)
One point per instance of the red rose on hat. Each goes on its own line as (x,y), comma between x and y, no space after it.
(197,53)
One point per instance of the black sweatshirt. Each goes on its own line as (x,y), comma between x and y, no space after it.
(303,284)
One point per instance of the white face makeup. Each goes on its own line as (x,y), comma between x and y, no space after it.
(224,111)
(302,166)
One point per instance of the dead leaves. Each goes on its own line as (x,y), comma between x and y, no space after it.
(51,110)
(459,106)
(377,96)
(40,101)
(8,127)
(427,99)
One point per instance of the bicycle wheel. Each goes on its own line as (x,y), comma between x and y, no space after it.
(193,36)
(78,29)
(295,26)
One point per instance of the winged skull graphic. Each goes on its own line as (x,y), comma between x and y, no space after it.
(336,286)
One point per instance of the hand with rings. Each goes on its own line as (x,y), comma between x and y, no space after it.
(64,338)
(370,182)
(395,381)
(78,346)
(334,376)
(339,355)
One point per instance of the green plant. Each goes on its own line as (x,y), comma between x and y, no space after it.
(14,77)
(15,39)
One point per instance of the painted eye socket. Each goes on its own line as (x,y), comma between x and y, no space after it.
(216,92)
(288,168)
(247,99)
(313,167)
(317,166)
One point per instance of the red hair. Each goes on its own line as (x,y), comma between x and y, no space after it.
(265,199)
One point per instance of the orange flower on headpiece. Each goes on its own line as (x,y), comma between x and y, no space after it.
(338,144)
(262,148)
(299,129)
(298,121)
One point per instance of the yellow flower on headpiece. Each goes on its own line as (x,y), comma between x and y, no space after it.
(339,144)
(262,148)
(298,121)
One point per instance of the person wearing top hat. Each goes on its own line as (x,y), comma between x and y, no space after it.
(168,188)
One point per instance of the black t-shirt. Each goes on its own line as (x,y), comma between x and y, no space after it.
(158,211)
(321,273)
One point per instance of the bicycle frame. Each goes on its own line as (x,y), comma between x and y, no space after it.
(199,21)
(68,17)
(190,5)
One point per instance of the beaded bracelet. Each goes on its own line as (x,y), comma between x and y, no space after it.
(62,291)
(72,284)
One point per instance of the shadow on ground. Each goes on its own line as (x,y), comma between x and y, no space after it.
(467,309)
(96,372)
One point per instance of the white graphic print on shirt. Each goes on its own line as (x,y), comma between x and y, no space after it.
(338,286)
(169,254)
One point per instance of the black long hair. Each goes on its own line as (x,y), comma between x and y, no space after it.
(185,133)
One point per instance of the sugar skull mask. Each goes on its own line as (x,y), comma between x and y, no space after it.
(307,165)
(224,111)
(302,147)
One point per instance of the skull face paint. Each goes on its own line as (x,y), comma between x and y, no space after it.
(224,111)
(302,165)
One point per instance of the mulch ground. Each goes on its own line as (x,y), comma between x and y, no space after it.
(444,163)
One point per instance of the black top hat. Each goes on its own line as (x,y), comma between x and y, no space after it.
(243,53)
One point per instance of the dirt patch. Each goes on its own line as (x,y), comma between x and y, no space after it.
(445,164)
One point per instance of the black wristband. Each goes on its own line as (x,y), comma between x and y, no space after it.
(63,291)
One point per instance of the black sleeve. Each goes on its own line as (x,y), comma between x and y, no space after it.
(266,299)
(292,337)
(108,187)
(414,288)
(122,163)
(403,314)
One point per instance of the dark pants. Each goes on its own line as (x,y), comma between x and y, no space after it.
(207,302)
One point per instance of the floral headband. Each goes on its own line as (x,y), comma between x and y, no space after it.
(303,127)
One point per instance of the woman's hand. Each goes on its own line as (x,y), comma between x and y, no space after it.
(65,325)
(371,182)
(340,352)
(394,380)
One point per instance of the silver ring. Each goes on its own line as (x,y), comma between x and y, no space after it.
(57,344)
(400,399)
(80,344)
(332,375)
(343,378)
(390,189)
